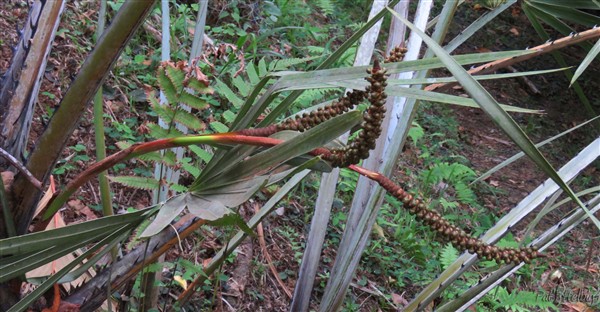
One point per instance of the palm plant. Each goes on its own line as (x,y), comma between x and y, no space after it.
(247,159)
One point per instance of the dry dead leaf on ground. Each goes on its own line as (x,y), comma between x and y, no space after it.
(577,307)
(399,300)
(79,207)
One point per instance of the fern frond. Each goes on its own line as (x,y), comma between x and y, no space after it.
(123,144)
(178,188)
(157,131)
(224,90)
(188,119)
(262,68)
(187,165)
(229,116)
(326,6)
(199,86)
(152,157)
(163,111)
(448,255)
(177,76)
(167,158)
(252,73)
(219,127)
(315,50)
(201,153)
(192,101)
(464,193)
(174,132)
(311,96)
(168,88)
(242,86)
(136,182)
(520,300)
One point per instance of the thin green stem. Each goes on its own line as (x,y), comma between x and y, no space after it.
(105,196)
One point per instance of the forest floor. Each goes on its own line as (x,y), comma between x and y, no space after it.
(249,285)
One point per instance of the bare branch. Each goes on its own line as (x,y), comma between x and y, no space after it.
(541,49)
(13,161)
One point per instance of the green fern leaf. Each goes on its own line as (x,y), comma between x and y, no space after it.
(224,90)
(123,144)
(460,172)
(162,111)
(262,68)
(178,188)
(199,86)
(167,87)
(416,132)
(174,132)
(169,157)
(219,127)
(229,116)
(201,153)
(188,119)
(242,86)
(135,238)
(176,76)
(192,101)
(520,300)
(309,97)
(464,193)
(190,167)
(326,6)
(252,74)
(316,50)
(448,255)
(136,182)
(166,158)
(157,131)
(152,156)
